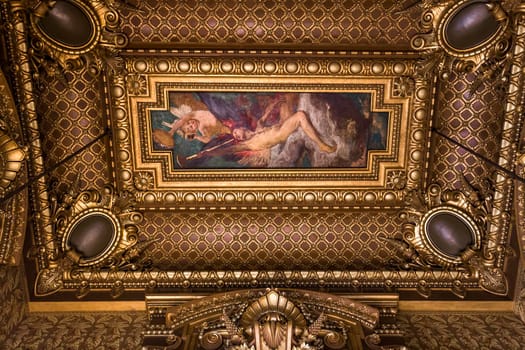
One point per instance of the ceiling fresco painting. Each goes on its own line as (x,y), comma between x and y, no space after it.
(246,127)
(292,170)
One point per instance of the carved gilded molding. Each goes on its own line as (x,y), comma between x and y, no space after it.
(94,231)
(13,175)
(513,116)
(118,282)
(516,98)
(157,184)
(268,319)
(14,12)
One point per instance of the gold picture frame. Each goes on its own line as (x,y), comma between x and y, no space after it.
(387,78)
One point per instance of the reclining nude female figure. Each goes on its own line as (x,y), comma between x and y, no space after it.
(265,138)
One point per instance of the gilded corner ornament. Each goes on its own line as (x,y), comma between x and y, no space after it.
(94,231)
(92,43)
(448,229)
(466,36)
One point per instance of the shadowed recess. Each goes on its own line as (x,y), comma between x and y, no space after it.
(471,26)
(449,234)
(92,235)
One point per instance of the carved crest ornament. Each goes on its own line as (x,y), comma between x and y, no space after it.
(268,319)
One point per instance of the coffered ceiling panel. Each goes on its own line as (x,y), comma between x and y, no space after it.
(189,146)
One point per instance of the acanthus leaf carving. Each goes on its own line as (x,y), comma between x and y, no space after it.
(264,319)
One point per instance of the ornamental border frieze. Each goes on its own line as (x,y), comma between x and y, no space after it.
(515,103)
(284,69)
(271,200)
(257,62)
(509,153)
(117,282)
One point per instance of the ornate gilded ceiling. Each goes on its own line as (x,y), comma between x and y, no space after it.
(348,146)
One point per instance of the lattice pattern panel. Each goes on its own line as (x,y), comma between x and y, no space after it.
(253,22)
(270,241)
(71,118)
(475,122)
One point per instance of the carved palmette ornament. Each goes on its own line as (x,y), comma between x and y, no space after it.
(272,319)
(448,229)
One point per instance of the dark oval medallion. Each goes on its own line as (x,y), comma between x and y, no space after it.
(449,233)
(470,26)
(68,24)
(92,235)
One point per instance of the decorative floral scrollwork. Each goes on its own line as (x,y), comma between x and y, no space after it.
(373,342)
(49,280)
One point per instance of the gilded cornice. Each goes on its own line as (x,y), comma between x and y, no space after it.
(517,98)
